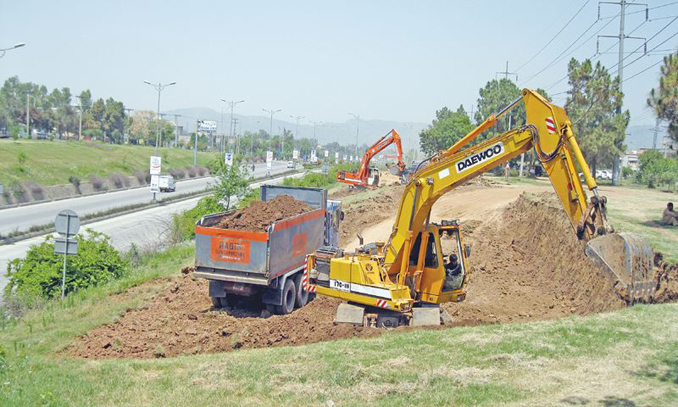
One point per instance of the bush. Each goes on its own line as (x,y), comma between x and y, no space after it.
(202,171)
(22,157)
(191,172)
(177,173)
(627,172)
(119,180)
(38,275)
(97,182)
(183,223)
(76,183)
(36,190)
(140,176)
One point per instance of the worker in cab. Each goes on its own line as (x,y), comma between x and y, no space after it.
(670,217)
(453,276)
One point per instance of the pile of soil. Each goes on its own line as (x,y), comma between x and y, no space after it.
(259,214)
(361,215)
(181,320)
(528,264)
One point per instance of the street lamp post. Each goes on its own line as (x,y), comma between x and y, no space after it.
(270,131)
(159,87)
(3,51)
(231,127)
(296,132)
(357,131)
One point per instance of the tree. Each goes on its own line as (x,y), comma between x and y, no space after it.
(496,95)
(656,170)
(446,129)
(592,105)
(232,181)
(85,100)
(664,99)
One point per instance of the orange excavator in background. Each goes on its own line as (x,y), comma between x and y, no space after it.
(369,176)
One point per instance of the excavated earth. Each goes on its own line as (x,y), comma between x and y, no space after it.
(526,264)
(260,214)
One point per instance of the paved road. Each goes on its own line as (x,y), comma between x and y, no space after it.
(144,228)
(23,217)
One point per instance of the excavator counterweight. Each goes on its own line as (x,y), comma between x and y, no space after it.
(423,264)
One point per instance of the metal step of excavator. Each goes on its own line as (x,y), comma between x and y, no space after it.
(628,260)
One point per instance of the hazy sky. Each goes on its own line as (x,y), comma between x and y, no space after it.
(392,60)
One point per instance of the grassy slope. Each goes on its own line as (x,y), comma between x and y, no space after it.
(625,356)
(53,162)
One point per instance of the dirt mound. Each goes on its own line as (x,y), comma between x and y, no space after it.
(360,215)
(181,320)
(667,282)
(528,264)
(259,214)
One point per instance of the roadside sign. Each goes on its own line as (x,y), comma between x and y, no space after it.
(336,155)
(228,158)
(65,246)
(156,164)
(269,156)
(67,223)
(295,154)
(314,158)
(327,153)
(325,169)
(155,183)
(207,125)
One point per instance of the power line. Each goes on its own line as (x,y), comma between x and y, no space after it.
(555,36)
(657,46)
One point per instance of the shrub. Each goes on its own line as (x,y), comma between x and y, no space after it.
(22,157)
(191,172)
(76,183)
(177,173)
(18,192)
(36,190)
(201,170)
(97,182)
(140,176)
(38,275)
(119,180)
(183,223)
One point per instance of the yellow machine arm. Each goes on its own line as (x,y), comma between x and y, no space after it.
(548,130)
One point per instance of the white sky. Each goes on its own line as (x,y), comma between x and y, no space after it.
(391,60)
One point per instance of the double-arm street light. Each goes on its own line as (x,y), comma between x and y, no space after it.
(4,50)
(270,131)
(357,131)
(159,87)
(231,128)
(296,133)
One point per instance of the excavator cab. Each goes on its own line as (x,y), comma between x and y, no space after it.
(443,266)
(373,177)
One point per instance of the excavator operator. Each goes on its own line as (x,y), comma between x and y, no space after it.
(453,277)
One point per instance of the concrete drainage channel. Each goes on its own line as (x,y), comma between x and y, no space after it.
(115,212)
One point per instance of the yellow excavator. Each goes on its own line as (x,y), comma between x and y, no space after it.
(404,279)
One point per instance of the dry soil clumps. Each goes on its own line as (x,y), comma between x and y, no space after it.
(260,214)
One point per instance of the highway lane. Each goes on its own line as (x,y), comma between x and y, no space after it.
(145,228)
(23,217)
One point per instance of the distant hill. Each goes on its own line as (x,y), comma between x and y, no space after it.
(343,133)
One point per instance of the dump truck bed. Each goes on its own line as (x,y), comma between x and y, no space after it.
(259,257)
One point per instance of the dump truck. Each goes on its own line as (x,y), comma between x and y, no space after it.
(266,265)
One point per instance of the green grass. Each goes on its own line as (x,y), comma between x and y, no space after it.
(628,356)
(53,162)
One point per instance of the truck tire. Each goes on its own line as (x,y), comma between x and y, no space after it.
(289,296)
(219,302)
(302,295)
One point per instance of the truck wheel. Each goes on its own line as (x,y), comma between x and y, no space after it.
(289,296)
(302,295)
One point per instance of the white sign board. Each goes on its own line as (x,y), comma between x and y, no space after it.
(156,164)
(65,246)
(228,159)
(207,125)
(67,223)
(336,155)
(345,157)
(155,183)
(351,158)
(295,154)
(327,153)
(314,158)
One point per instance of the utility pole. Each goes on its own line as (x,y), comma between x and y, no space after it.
(357,131)
(80,123)
(231,104)
(129,111)
(506,74)
(28,115)
(296,132)
(620,65)
(176,130)
(234,124)
(270,134)
(195,145)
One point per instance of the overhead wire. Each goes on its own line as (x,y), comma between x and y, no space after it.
(555,36)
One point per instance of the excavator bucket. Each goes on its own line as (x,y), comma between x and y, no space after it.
(628,259)
(394,169)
